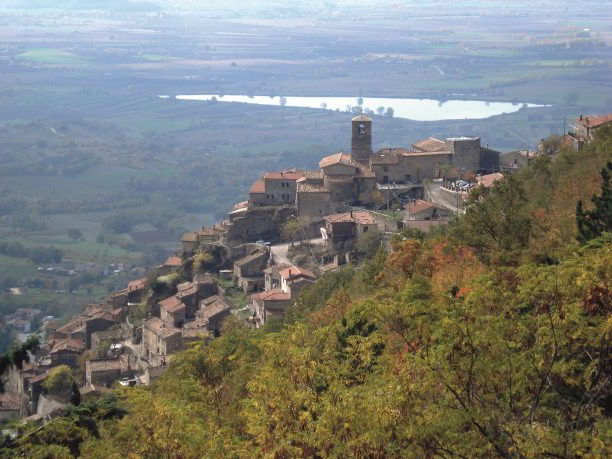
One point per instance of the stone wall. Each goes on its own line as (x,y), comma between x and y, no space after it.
(260,224)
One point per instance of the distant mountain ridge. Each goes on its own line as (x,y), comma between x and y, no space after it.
(115,5)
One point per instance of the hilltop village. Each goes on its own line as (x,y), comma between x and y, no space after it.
(295,226)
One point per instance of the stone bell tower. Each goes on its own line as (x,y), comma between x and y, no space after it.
(361,143)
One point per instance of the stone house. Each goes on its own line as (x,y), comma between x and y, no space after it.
(189,242)
(275,189)
(283,285)
(136,290)
(207,285)
(212,312)
(172,264)
(424,210)
(172,311)
(113,335)
(248,271)
(294,278)
(160,338)
(10,407)
(189,294)
(269,305)
(489,179)
(66,351)
(345,228)
(105,372)
(587,125)
(513,161)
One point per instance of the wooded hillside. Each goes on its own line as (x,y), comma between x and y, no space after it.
(489,339)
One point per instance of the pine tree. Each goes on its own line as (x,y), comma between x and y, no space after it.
(75,398)
(593,223)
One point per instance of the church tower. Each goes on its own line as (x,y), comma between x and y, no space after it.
(361,143)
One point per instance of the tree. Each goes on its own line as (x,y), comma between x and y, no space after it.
(390,112)
(75,397)
(75,234)
(59,383)
(291,230)
(593,223)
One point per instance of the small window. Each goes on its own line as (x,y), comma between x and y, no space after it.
(365,229)
(272,196)
(362,129)
(408,177)
(385,168)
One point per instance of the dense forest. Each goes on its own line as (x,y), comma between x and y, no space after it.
(490,338)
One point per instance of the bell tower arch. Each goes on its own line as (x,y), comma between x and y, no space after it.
(361,141)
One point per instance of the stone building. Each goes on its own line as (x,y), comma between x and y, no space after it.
(283,285)
(248,271)
(172,311)
(345,228)
(586,126)
(361,177)
(105,372)
(212,312)
(425,210)
(160,338)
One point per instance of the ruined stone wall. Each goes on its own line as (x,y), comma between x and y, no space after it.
(312,207)
(260,224)
(466,152)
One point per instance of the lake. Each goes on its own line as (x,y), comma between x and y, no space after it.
(412,109)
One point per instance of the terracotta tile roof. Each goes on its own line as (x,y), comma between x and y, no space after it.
(189,237)
(253,256)
(71,327)
(187,288)
(430,144)
(285,175)
(360,217)
(172,304)
(161,328)
(340,178)
(120,363)
(489,179)
(313,175)
(214,309)
(195,328)
(293,272)
(70,345)
(311,188)
(210,300)
(414,207)
(175,262)
(271,295)
(259,187)
(337,158)
(386,156)
(592,121)
(362,117)
(10,402)
(137,284)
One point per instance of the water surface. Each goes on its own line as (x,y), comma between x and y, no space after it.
(413,109)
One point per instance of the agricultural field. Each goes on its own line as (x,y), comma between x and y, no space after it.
(85,141)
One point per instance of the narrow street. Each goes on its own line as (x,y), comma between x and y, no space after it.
(435,194)
(280,251)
